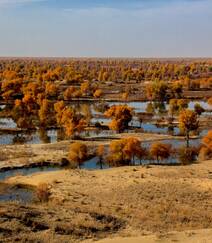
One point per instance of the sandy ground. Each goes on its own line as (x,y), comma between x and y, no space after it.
(191,236)
(121,202)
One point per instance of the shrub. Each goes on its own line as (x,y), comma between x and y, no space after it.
(43,192)
(205,153)
(206,150)
(207,140)
(187,155)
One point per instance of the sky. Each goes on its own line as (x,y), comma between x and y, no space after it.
(106,28)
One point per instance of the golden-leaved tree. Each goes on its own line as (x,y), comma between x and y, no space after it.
(157,90)
(160,151)
(188,122)
(66,117)
(78,153)
(46,113)
(69,93)
(124,151)
(51,90)
(121,116)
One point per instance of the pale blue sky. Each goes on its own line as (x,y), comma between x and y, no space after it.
(100,28)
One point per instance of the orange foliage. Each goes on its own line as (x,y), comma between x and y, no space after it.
(100,150)
(68,119)
(11,88)
(85,88)
(125,96)
(98,93)
(51,89)
(59,107)
(188,122)
(210,101)
(78,153)
(207,140)
(69,93)
(160,151)
(29,103)
(121,114)
(124,151)
(206,150)
(10,75)
(45,112)
(32,88)
(18,103)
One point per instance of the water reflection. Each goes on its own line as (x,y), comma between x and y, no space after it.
(94,113)
(150,107)
(18,195)
(26,171)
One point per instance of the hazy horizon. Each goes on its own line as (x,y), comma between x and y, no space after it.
(106,29)
(103,57)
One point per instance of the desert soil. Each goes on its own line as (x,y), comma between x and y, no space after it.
(129,204)
(190,236)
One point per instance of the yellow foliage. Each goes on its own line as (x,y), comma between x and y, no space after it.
(78,153)
(160,151)
(97,93)
(121,114)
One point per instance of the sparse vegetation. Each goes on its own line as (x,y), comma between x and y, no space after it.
(43,192)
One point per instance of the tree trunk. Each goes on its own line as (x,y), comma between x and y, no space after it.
(122,157)
(133,160)
(100,162)
(187,139)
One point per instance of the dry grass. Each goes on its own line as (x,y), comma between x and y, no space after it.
(43,192)
(39,223)
(120,201)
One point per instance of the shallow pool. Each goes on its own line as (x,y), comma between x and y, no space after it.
(22,195)
(26,171)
